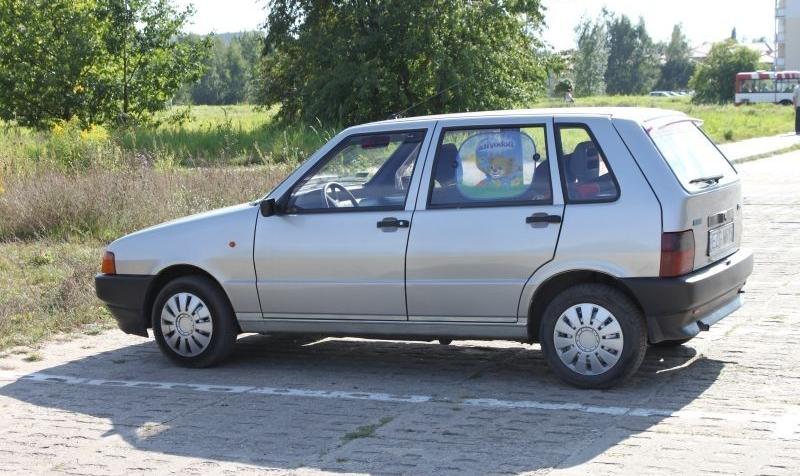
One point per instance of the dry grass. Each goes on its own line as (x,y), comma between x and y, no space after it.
(53,226)
(46,288)
(104,204)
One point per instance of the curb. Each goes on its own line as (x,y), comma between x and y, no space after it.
(766,155)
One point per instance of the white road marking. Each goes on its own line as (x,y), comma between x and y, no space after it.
(785,425)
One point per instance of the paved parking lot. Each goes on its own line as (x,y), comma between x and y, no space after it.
(729,402)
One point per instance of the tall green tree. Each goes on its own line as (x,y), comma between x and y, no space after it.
(678,65)
(100,60)
(713,80)
(145,63)
(352,61)
(47,50)
(591,58)
(632,58)
(230,76)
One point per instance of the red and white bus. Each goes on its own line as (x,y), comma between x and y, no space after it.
(766,86)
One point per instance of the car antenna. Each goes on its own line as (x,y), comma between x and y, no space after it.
(398,115)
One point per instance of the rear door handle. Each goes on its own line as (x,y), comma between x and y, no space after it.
(543,218)
(392,222)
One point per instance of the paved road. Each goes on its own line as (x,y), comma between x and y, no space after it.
(727,403)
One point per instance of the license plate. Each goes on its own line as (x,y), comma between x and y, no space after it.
(720,239)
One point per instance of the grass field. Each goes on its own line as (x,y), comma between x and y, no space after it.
(247,135)
(66,192)
(726,123)
(46,289)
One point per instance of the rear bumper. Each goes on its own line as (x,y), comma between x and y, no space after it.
(124,296)
(678,308)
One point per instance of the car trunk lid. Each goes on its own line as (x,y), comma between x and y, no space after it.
(713,201)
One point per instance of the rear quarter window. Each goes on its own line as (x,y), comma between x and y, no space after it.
(693,158)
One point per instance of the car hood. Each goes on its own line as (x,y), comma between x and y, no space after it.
(192,219)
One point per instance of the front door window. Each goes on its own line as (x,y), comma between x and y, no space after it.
(365,172)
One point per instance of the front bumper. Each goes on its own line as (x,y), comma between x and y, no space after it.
(679,308)
(125,295)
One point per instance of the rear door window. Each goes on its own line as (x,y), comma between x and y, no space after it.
(695,160)
(491,167)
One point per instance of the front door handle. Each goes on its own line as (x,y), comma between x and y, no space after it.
(543,218)
(392,222)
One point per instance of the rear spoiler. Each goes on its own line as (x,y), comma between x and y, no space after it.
(662,122)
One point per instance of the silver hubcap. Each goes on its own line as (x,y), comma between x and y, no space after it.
(186,324)
(588,339)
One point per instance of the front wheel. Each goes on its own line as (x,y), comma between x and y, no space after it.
(193,322)
(593,336)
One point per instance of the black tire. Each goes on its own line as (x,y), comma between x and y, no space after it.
(627,314)
(223,322)
(672,343)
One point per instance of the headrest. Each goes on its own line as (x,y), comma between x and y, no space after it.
(585,161)
(447,164)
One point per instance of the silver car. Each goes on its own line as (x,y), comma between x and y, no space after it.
(595,232)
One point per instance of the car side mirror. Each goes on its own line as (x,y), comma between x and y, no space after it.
(268,207)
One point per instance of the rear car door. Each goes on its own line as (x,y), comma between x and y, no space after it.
(488,215)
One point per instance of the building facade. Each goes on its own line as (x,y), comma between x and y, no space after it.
(787,35)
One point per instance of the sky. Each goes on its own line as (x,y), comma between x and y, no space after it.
(703,20)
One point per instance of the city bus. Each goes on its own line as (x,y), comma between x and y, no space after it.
(766,86)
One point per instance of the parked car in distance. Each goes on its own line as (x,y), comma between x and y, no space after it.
(663,94)
(595,232)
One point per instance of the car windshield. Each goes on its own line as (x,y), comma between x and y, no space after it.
(695,160)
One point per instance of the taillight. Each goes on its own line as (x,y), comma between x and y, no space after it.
(109,266)
(677,253)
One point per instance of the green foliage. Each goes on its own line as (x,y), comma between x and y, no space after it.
(563,86)
(230,76)
(46,52)
(678,66)
(713,80)
(591,58)
(632,58)
(98,60)
(353,61)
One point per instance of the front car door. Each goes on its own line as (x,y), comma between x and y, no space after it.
(488,215)
(337,251)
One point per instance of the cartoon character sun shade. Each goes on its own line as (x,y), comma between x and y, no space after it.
(493,165)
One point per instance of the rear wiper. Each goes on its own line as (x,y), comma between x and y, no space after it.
(709,180)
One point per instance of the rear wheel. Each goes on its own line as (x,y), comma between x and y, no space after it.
(593,336)
(193,322)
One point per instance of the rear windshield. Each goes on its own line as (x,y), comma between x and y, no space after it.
(694,159)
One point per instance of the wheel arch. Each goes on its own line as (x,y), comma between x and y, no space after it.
(557,283)
(171,273)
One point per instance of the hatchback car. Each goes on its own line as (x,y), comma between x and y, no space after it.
(595,232)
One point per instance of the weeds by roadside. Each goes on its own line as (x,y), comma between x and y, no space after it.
(46,288)
(203,137)
(103,204)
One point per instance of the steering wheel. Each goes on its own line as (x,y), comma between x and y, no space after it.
(330,200)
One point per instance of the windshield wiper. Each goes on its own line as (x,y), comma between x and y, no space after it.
(709,180)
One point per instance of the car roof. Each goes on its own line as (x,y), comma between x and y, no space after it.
(637,114)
